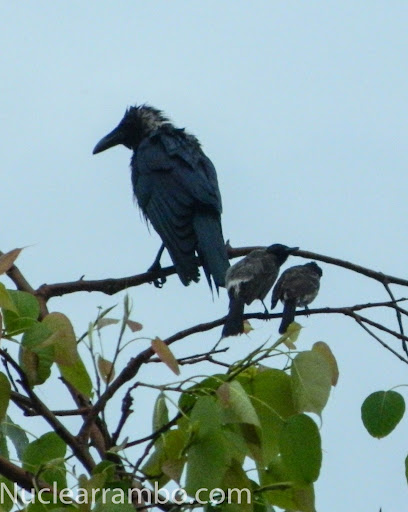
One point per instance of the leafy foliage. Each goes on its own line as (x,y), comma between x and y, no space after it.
(382,411)
(249,430)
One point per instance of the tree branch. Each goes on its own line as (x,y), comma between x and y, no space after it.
(80,450)
(21,477)
(23,285)
(112,286)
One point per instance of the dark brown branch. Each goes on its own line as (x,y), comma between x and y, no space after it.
(112,286)
(360,320)
(21,477)
(197,358)
(399,317)
(26,406)
(80,450)
(127,411)
(157,433)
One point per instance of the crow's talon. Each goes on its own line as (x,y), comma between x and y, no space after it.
(158,283)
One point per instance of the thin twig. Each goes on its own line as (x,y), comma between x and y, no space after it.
(399,318)
(361,321)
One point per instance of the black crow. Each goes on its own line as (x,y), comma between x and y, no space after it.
(250,279)
(297,286)
(176,187)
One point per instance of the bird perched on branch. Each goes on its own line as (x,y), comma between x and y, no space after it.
(297,287)
(249,279)
(176,188)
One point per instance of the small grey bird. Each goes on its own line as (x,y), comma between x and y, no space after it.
(249,279)
(297,287)
(176,188)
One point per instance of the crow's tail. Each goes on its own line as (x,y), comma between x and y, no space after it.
(234,324)
(211,247)
(288,316)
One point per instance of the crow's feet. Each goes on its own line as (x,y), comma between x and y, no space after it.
(156,267)
(266,312)
(158,282)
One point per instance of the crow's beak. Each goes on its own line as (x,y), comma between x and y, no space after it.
(292,249)
(113,138)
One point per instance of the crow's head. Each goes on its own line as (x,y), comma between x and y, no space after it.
(281,252)
(134,126)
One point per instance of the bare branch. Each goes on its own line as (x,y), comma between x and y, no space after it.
(112,286)
(399,318)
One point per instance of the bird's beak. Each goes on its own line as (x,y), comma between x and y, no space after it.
(291,250)
(113,138)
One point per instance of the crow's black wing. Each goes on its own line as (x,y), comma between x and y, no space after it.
(174,183)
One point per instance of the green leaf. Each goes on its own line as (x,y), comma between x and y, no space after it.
(16,434)
(280,491)
(301,448)
(381,412)
(160,413)
(325,351)
(44,455)
(238,443)
(236,480)
(4,451)
(204,388)
(291,335)
(5,391)
(63,340)
(24,313)
(236,403)
(106,467)
(7,502)
(6,302)
(35,337)
(77,375)
(311,381)
(94,485)
(406,468)
(35,360)
(208,454)
(168,460)
(271,395)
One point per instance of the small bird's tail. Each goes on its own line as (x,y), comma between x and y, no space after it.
(288,316)
(211,247)
(234,324)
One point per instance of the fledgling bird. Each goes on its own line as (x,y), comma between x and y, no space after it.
(297,287)
(249,279)
(176,188)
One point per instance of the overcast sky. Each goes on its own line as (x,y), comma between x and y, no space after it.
(302,107)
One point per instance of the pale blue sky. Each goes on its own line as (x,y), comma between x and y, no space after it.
(303,108)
